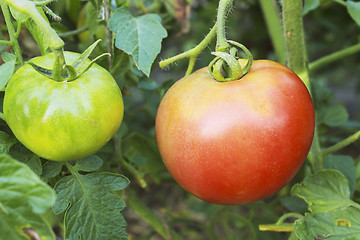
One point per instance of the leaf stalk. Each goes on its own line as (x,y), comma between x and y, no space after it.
(12,34)
(340,145)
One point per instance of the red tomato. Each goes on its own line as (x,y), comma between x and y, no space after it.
(240,141)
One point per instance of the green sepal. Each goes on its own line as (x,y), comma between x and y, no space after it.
(72,72)
(235,70)
(47,72)
(75,70)
(43,71)
(92,62)
(85,55)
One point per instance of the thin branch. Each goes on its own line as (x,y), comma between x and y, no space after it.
(74,32)
(334,57)
(340,145)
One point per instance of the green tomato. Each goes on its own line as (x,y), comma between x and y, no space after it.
(63,121)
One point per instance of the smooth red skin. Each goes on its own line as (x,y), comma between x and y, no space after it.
(236,142)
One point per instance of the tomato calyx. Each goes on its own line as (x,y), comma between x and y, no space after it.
(71,72)
(226,63)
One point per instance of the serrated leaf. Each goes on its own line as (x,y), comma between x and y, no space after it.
(139,37)
(354,10)
(293,204)
(22,197)
(342,224)
(6,142)
(345,165)
(89,164)
(22,154)
(324,191)
(310,5)
(91,210)
(51,169)
(6,70)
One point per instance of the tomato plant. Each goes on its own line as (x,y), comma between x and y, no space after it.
(53,118)
(239,141)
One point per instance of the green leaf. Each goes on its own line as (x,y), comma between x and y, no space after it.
(293,204)
(148,84)
(310,5)
(89,164)
(354,10)
(22,223)
(345,165)
(92,211)
(22,154)
(8,57)
(322,94)
(51,169)
(7,70)
(334,115)
(23,196)
(141,152)
(139,37)
(342,224)
(6,142)
(27,186)
(324,191)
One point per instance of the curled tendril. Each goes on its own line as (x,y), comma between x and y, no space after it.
(229,63)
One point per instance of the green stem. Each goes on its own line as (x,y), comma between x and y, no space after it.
(192,53)
(29,8)
(6,42)
(340,145)
(334,57)
(295,41)
(118,64)
(12,33)
(222,45)
(59,63)
(289,215)
(315,156)
(297,61)
(271,12)
(108,33)
(142,6)
(280,226)
(150,217)
(18,29)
